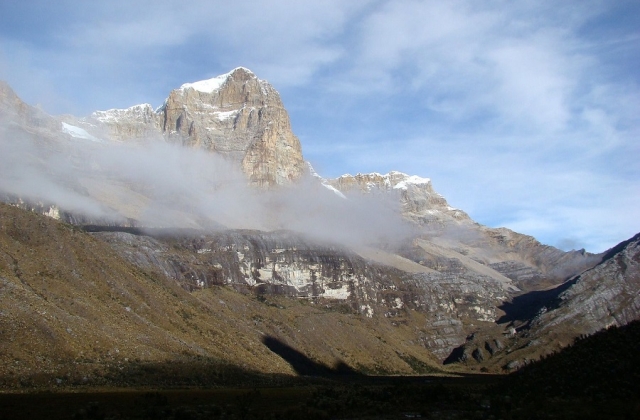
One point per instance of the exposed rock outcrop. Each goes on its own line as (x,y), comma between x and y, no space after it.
(420,203)
(136,122)
(235,115)
(440,306)
(239,116)
(603,296)
(456,240)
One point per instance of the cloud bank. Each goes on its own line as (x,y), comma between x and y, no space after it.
(158,184)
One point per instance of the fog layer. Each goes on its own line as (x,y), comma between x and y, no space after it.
(158,184)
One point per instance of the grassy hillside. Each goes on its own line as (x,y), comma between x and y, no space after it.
(73,312)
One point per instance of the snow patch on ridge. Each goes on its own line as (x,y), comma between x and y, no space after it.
(324,181)
(78,133)
(116,114)
(206,86)
(223,116)
(411,180)
(393,179)
(338,193)
(211,85)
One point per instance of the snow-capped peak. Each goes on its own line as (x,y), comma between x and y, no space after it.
(211,85)
(411,180)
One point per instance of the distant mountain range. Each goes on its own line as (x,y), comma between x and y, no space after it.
(195,230)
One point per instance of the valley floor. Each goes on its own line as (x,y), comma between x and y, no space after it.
(431,397)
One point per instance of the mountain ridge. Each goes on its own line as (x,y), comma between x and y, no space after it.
(235,115)
(420,204)
(600,297)
(385,248)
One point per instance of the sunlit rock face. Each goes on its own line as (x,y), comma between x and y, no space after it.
(136,122)
(241,117)
(235,115)
(436,307)
(280,263)
(601,297)
(420,203)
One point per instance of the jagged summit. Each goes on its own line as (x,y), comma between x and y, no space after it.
(215,83)
(375,180)
(117,114)
(240,117)
(235,115)
(420,202)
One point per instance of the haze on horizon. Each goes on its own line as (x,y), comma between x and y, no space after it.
(524,115)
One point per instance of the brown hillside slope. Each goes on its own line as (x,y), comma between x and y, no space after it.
(73,312)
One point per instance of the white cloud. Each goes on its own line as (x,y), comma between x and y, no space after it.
(287,40)
(468,60)
(117,47)
(532,85)
(515,113)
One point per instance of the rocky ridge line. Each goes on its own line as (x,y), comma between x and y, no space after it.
(235,115)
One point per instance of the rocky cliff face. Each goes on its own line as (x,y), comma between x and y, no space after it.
(239,116)
(540,322)
(136,122)
(454,239)
(602,296)
(420,203)
(439,306)
(530,264)
(235,115)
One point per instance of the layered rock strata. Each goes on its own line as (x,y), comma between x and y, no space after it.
(235,115)
(420,203)
(440,305)
(541,322)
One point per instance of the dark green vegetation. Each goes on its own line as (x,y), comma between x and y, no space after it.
(601,368)
(306,398)
(596,378)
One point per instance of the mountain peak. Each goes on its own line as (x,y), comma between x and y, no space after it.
(117,115)
(236,115)
(215,83)
(241,118)
(420,202)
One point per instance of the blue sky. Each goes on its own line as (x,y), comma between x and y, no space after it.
(524,114)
